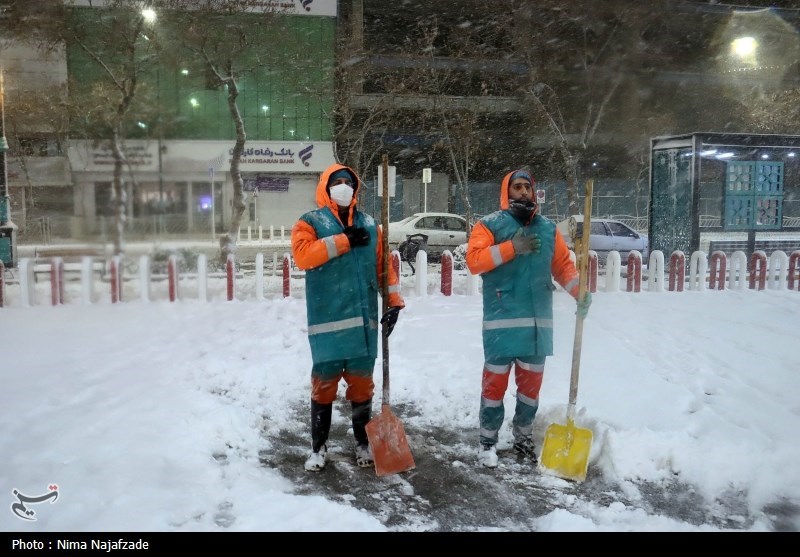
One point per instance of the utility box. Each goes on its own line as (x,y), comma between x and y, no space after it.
(8,245)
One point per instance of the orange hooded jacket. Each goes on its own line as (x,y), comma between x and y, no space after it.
(484,255)
(310,252)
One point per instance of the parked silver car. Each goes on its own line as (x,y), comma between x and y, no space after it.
(608,235)
(442,231)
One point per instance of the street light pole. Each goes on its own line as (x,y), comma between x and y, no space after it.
(8,230)
(4,197)
(213,204)
(255,205)
(160,139)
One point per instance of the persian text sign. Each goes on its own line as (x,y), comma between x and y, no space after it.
(199,155)
(292,7)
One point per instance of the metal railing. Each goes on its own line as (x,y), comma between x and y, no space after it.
(637,223)
(45,230)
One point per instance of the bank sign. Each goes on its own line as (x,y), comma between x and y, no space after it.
(298,7)
(199,156)
(289,7)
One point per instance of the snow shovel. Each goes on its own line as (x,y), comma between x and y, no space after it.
(385,432)
(565,452)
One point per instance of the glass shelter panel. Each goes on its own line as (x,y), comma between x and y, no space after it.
(671,209)
(753,195)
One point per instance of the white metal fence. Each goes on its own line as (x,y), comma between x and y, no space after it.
(44,230)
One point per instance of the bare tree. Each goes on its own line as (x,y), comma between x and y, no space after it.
(230,45)
(117,39)
(33,110)
(459,127)
(600,42)
(456,124)
(39,22)
(359,120)
(40,114)
(777,111)
(359,134)
(358,131)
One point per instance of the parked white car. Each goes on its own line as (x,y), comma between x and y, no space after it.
(444,231)
(608,235)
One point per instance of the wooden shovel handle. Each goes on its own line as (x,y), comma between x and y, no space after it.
(582,254)
(385,276)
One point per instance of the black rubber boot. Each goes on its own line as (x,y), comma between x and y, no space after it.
(320,424)
(362,412)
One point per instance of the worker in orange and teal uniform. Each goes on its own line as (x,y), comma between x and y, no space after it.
(517,251)
(341,250)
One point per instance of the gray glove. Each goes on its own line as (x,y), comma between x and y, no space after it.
(583,306)
(525,244)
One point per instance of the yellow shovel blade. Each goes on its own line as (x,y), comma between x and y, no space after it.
(565,452)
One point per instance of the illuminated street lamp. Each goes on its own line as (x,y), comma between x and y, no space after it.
(149,15)
(744,48)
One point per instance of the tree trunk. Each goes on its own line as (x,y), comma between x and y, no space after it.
(571,174)
(227,242)
(462,179)
(120,196)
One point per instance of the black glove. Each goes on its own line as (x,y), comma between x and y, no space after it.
(390,319)
(357,236)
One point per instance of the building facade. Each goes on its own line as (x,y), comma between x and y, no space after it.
(179,134)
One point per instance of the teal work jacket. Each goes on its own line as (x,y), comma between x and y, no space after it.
(518,295)
(342,294)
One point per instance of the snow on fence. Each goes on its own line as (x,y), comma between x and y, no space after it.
(794,270)
(116,279)
(738,270)
(172,272)
(777,262)
(719,264)
(758,270)
(635,271)
(230,276)
(777,272)
(287,275)
(698,265)
(677,270)
(57,281)
(447,273)
(655,278)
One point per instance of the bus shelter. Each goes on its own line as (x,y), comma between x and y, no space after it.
(733,184)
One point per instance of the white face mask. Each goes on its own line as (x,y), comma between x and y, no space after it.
(342,194)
